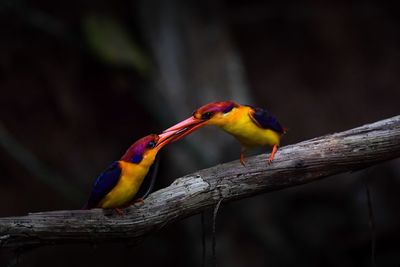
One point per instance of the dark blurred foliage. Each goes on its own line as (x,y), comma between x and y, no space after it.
(81,81)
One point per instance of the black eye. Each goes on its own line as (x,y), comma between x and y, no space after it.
(151,144)
(207,115)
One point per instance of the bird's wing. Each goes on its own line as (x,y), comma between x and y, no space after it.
(264,120)
(104,184)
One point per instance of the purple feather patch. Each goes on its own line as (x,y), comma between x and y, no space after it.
(135,152)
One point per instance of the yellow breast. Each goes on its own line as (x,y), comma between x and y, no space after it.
(239,124)
(122,194)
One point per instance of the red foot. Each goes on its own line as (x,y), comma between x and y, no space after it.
(119,211)
(242,158)
(139,200)
(273,152)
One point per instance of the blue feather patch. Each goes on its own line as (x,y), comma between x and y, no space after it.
(229,107)
(137,158)
(106,181)
(265,120)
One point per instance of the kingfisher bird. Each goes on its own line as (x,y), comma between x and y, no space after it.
(118,185)
(251,126)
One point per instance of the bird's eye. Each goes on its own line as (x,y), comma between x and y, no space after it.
(207,115)
(151,144)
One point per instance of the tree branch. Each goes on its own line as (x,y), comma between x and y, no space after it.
(294,164)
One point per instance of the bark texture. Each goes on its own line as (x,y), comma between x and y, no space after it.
(294,164)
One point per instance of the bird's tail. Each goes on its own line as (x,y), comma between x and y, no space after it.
(285,130)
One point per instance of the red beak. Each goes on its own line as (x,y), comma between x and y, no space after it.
(166,137)
(185,127)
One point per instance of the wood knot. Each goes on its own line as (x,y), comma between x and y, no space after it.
(299,163)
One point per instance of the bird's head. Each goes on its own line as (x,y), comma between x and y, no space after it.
(215,113)
(146,148)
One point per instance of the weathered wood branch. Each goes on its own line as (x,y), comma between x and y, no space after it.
(294,164)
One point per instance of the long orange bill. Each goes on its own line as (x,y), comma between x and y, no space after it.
(185,127)
(166,138)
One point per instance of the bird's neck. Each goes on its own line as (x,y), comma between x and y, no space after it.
(148,159)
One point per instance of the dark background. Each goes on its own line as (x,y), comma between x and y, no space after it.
(80,81)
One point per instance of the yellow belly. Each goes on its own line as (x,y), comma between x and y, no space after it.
(123,193)
(241,126)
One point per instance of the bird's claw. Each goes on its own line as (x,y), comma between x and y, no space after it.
(120,212)
(271,157)
(242,159)
(138,201)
